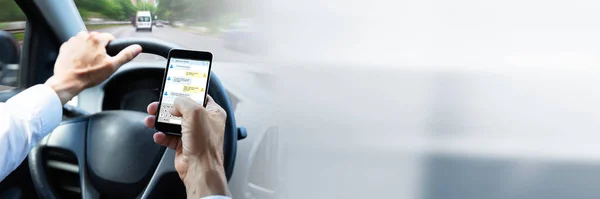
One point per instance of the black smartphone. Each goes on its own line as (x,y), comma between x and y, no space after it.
(187,74)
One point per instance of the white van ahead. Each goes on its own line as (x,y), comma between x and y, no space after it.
(143,21)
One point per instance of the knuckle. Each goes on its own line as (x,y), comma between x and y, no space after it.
(217,110)
(94,39)
(223,114)
(106,64)
(98,56)
(82,71)
(197,112)
(198,109)
(110,64)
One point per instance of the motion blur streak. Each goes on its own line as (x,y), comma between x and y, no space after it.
(437,99)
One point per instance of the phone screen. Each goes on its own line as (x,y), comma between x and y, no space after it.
(185,77)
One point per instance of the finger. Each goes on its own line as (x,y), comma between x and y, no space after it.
(149,121)
(184,106)
(166,140)
(209,99)
(126,55)
(211,105)
(152,108)
(102,38)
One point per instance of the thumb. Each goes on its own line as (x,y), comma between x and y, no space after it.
(185,107)
(126,55)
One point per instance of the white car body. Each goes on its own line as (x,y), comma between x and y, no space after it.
(143,20)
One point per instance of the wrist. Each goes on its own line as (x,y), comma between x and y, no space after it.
(206,177)
(65,90)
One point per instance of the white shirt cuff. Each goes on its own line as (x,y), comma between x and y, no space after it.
(44,102)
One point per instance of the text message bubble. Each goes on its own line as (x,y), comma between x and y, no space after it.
(176,94)
(195,74)
(177,66)
(192,89)
(182,80)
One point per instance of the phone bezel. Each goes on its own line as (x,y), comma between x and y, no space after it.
(175,129)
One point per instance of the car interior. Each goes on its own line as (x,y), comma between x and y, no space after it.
(108,152)
(326,99)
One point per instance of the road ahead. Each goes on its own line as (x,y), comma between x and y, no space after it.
(238,71)
(184,39)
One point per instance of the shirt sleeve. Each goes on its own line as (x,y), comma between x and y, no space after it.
(216,197)
(25,119)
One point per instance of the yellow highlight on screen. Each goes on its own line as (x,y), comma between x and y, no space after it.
(192,89)
(193,74)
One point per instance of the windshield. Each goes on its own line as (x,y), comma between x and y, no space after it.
(212,26)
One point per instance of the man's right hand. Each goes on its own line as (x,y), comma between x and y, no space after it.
(83,62)
(199,150)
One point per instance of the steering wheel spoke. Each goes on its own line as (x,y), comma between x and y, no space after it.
(166,166)
(68,137)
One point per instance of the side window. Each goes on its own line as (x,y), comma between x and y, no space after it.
(12,21)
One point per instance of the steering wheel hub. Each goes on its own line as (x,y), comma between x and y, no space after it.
(120,152)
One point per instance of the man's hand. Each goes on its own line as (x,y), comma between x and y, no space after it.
(82,63)
(199,150)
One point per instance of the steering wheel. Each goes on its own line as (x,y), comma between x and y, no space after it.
(115,151)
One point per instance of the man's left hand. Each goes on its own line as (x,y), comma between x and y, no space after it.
(83,62)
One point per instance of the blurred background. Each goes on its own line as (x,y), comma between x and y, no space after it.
(398,99)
